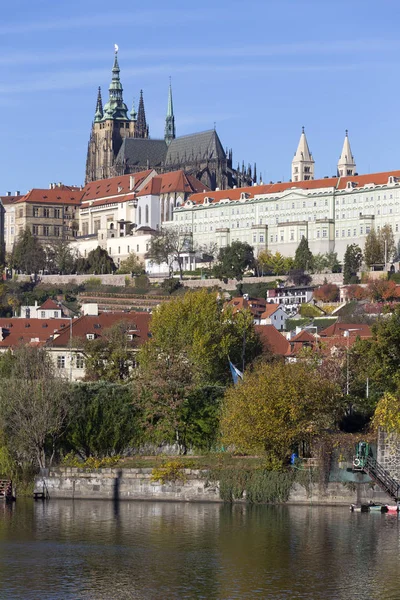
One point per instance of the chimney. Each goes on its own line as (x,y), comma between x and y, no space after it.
(131,182)
(8,193)
(17,193)
(59,184)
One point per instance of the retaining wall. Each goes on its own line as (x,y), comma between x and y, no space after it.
(136,484)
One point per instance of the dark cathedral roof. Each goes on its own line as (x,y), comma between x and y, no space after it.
(137,152)
(196,146)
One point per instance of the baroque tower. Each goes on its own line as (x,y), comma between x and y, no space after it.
(346,166)
(110,126)
(169,132)
(303,162)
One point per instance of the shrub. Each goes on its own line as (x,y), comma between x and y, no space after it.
(170,471)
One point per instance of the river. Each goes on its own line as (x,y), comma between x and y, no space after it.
(165,551)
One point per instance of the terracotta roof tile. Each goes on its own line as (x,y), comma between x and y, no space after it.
(49,304)
(175,181)
(98,324)
(17,331)
(355,330)
(115,186)
(52,196)
(272,339)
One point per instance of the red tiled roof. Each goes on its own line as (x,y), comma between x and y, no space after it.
(5,200)
(49,304)
(255,305)
(17,331)
(269,310)
(272,339)
(57,195)
(175,181)
(276,188)
(355,330)
(115,186)
(98,324)
(303,337)
(361,180)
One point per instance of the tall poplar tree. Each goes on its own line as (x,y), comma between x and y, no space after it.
(303,258)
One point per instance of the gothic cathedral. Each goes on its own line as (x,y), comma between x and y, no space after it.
(120,144)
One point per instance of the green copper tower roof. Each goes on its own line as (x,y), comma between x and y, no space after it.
(99,107)
(115,108)
(133,113)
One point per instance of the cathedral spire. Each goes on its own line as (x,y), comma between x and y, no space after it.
(133,113)
(169,133)
(346,165)
(115,108)
(99,107)
(303,162)
(141,128)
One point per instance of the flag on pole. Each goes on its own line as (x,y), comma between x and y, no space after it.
(235,373)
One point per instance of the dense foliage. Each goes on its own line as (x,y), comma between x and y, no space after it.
(234,260)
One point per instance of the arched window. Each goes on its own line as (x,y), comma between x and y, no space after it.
(147,213)
(140,215)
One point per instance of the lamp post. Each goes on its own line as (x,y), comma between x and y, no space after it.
(347,335)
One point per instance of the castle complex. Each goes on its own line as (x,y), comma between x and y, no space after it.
(120,144)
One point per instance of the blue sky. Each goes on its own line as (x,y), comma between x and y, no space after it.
(260,69)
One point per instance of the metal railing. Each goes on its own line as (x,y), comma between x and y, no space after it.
(382,477)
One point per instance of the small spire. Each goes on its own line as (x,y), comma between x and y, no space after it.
(133,113)
(99,107)
(141,128)
(346,166)
(302,129)
(169,131)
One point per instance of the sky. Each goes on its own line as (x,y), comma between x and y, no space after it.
(259,70)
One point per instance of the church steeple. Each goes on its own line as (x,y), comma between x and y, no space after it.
(303,162)
(141,127)
(133,113)
(346,166)
(115,108)
(99,107)
(169,133)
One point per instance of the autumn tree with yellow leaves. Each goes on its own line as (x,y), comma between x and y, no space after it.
(278,406)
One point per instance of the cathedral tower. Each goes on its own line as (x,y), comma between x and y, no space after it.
(346,166)
(303,162)
(110,126)
(169,132)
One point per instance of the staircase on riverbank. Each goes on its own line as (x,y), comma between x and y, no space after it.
(382,478)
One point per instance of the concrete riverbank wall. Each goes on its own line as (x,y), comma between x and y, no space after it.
(137,484)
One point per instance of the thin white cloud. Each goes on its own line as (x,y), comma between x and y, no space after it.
(338,47)
(105,20)
(64,80)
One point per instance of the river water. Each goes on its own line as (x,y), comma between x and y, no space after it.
(152,550)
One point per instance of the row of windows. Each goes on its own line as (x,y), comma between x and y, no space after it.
(54,213)
(62,361)
(47,230)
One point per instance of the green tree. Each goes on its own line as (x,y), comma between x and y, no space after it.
(386,239)
(169,247)
(60,258)
(373,250)
(276,407)
(377,359)
(97,262)
(303,258)
(234,260)
(131,264)
(198,328)
(111,357)
(35,406)
(352,264)
(273,264)
(28,254)
(105,420)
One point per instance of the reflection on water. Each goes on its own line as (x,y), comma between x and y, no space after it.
(151,550)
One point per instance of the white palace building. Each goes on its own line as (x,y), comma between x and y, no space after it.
(331,212)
